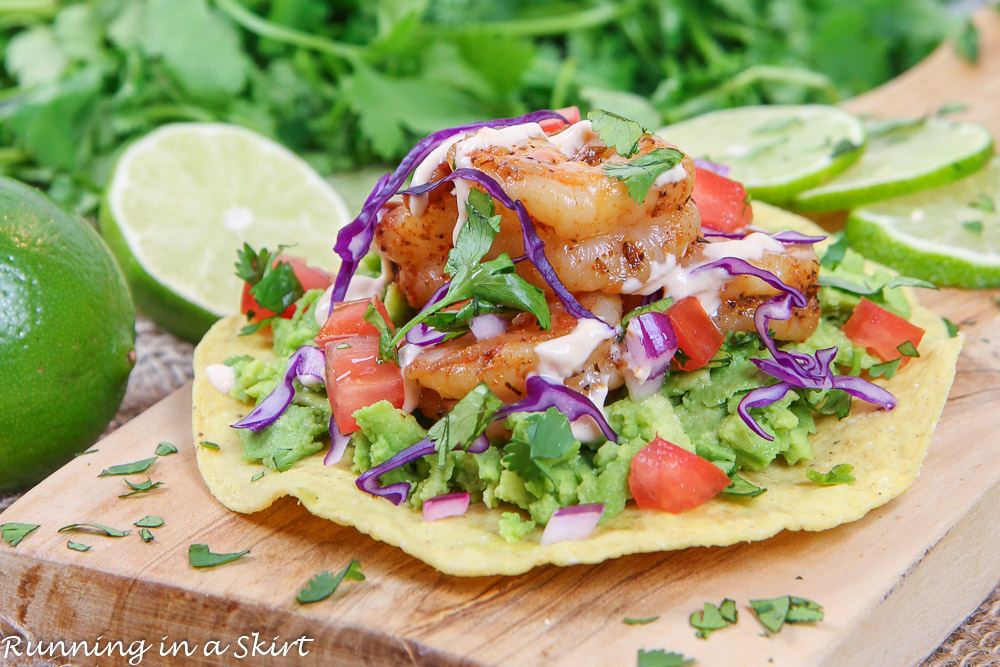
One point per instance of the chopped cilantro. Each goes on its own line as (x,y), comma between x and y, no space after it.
(886,370)
(640,621)
(973,226)
(166,449)
(838,474)
(774,613)
(386,348)
(835,252)
(146,535)
(835,402)
(983,202)
(951,327)
(465,422)
(659,306)
(713,618)
(541,436)
(133,468)
(208,444)
(89,451)
(743,488)
(76,546)
(660,658)
(617,131)
(149,522)
(324,584)
(13,533)
(948,109)
(476,236)
(257,476)
(141,487)
(199,555)
(640,173)
(908,349)
(273,283)
(107,530)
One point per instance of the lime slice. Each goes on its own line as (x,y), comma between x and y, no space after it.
(775,151)
(949,235)
(185,197)
(903,158)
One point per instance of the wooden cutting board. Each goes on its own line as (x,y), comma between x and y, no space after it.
(893,585)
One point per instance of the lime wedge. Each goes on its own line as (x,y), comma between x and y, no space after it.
(775,151)
(949,235)
(902,158)
(185,197)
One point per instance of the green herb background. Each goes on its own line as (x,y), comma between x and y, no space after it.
(350,82)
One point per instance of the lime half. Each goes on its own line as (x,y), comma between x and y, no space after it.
(902,158)
(185,197)
(949,235)
(775,151)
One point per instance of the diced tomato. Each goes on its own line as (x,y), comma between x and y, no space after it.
(355,379)
(881,331)
(310,278)
(572,114)
(347,318)
(721,201)
(669,478)
(697,335)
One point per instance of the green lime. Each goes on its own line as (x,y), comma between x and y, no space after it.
(775,151)
(185,197)
(903,157)
(67,335)
(949,235)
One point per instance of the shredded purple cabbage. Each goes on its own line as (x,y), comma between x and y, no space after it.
(307,361)
(400,491)
(422,334)
(534,247)
(650,298)
(355,239)
(791,368)
(787,236)
(650,342)
(542,394)
(720,169)
(338,444)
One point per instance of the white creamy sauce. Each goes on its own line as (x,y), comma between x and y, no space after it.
(407,354)
(675,174)
(679,282)
(422,174)
(221,377)
(586,429)
(311,381)
(559,358)
(411,390)
(576,136)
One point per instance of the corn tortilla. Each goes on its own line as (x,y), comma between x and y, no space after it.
(886,449)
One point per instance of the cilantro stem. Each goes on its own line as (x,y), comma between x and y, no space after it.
(560,89)
(38,8)
(172,112)
(555,24)
(749,77)
(286,35)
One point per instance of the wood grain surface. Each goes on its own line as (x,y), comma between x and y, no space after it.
(893,585)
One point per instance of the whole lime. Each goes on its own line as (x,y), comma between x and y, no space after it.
(67,335)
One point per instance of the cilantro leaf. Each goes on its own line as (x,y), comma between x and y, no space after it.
(835,252)
(89,451)
(149,522)
(250,264)
(838,474)
(713,618)
(386,348)
(166,449)
(76,546)
(278,289)
(835,402)
(660,658)
(146,535)
(973,227)
(743,488)
(133,468)
(869,287)
(774,613)
(476,235)
(951,327)
(886,370)
(324,584)
(199,555)
(538,438)
(141,487)
(640,173)
(908,349)
(208,444)
(640,621)
(258,476)
(465,422)
(13,533)
(617,131)
(107,530)
(983,202)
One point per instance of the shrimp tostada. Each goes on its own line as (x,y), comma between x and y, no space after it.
(564,341)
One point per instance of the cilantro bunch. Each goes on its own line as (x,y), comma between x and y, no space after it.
(353,82)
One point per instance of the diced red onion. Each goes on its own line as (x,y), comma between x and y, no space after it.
(355,239)
(442,507)
(487,326)
(650,298)
(338,444)
(534,247)
(650,345)
(576,522)
(542,393)
(720,169)
(306,362)
(479,445)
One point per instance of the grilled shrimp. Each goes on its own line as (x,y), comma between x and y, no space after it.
(452,369)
